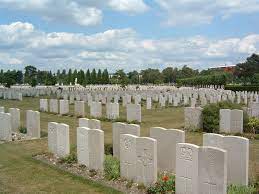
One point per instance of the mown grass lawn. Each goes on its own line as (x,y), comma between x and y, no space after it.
(20,173)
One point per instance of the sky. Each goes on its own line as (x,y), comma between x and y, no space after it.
(127,34)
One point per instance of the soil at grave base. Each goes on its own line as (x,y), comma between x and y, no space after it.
(84,172)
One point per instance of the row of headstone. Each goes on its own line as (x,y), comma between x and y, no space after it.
(231,121)
(112,109)
(90,144)
(10,122)
(15,118)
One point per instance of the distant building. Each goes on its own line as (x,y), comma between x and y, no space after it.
(226,68)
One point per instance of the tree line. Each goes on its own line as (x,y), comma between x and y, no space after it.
(247,73)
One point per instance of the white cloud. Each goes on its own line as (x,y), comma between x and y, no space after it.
(195,12)
(81,12)
(116,48)
(132,6)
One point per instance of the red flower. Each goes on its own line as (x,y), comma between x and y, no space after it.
(165,178)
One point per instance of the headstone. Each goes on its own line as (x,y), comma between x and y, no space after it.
(225,117)
(149,103)
(237,155)
(166,146)
(133,112)
(119,129)
(79,108)
(128,157)
(53,106)
(44,105)
(63,145)
(5,126)
(52,137)
(212,165)
(33,123)
(63,107)
(187,172)
(146,167)
(15,119)
(90,123)
(193,118)
(236,121)
(231,121)
(90,147)
(112,110)
(96,109)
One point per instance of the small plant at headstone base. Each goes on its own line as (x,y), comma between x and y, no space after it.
(23,130)
(236,189)
(92,173)
(211,116)
(111,168)
(71,158)
(165,184)
(141,186)
(129,184)
(253,125)
(108,149)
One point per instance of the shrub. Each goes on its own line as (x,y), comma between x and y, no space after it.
(23,130)
(165,184)
(71,158)
(234,189)
(111,168)
(108,149)
(211,115)
(242,88)
(253,125)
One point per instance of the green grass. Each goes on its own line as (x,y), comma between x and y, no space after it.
(20,173)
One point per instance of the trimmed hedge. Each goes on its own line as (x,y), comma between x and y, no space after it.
(242,88)
(217,79)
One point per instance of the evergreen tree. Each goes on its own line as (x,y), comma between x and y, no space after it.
(105,77)
(93,77)
(69,76)
(99,77)
(88,77)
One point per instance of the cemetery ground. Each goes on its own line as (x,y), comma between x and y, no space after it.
(19,172)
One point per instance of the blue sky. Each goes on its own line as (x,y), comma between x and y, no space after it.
(127,34)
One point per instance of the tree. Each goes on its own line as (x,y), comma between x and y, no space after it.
(169,75)
(134,77)
(93,77)
(69,76)
(88,77)
(248,69)
(30,75)
(9,78)
(152,76)
(81,77)
(105,77)
(120,77)
(99,77)
(2,76)
(19,77)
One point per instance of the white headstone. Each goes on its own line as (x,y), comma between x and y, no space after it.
(33,123)
(146,151)
(63,145)
(5,126)
(15,119)
(166,146)
(133,112)
(128,157)
(122,128)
